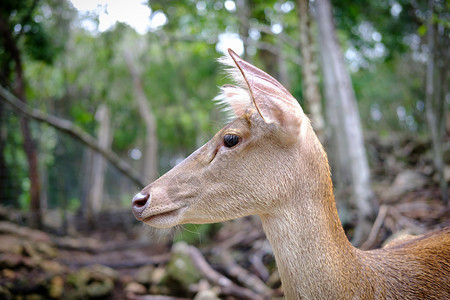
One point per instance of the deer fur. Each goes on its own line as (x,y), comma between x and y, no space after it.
(280,172)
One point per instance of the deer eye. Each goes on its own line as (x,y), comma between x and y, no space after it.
(230,140)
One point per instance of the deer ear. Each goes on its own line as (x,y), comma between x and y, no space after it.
(273,102)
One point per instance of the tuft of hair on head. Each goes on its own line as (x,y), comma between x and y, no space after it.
(234,100)
(232,70)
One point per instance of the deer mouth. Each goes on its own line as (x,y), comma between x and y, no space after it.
(164,218)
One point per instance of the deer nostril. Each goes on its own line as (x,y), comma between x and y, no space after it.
(139,201)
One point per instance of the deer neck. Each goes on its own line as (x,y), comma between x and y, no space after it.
(314,257)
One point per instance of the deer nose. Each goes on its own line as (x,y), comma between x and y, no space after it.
(139,204)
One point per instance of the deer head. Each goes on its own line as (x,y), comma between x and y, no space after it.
(249,167)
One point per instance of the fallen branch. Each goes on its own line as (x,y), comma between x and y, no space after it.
(256,259)
(375,228)
(242,275)
(404,222)
(241,239)
(156,297)
(152,260)
(83,245)
(226,285)
(74,131)
(260,268)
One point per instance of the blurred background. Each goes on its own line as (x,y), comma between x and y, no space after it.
(99,98)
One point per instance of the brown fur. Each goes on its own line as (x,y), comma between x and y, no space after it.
(419,268)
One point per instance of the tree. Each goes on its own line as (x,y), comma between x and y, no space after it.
(416,32)
(98,163)
(150,161)
(437,42)
(309,68)
(17,25)
(344,122)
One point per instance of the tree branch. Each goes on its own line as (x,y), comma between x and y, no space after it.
(247,278)
(73,130)
(283,36)
(226,285)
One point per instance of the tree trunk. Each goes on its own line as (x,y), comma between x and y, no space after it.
(86,177)
(274,58)
(150,154)
(282,67)
(29,144)
(243,13)
(4,172)
(435,102)
(345,118)
(98,165)
(338,156)
(33,173)
(311,92)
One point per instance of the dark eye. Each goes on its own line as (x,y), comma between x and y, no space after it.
(230,140)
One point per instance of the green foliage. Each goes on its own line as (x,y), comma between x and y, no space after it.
(24,19)
(16,183)
(24,41)
(73,204)
(196,234)
(38,44)
(357,18)
(70,72)
(24,197)
(389,89)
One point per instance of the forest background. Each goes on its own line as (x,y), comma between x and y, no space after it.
(92,109)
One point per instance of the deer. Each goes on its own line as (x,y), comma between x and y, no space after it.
(269,162)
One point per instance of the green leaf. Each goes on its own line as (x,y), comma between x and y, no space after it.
(422,30)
